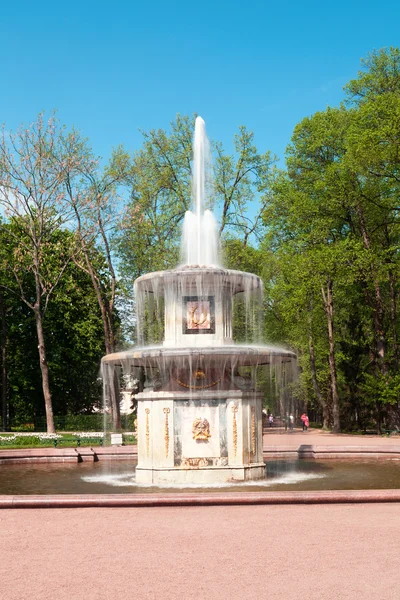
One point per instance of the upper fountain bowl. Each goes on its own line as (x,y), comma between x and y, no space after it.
(195,304)
(198,276)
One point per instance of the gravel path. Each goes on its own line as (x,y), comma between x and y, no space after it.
(317,552)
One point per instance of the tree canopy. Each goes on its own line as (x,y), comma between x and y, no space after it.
(334,233)
(322,232)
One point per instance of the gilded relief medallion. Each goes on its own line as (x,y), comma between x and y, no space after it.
(198,314)
(201,429)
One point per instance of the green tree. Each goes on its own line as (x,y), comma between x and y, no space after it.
(333,219)
(95,202)
(33,166)
(240,182)
(161,193)
(73,333)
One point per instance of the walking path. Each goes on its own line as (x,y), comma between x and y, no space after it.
(320,552)
(278,436)
(276,442)
(248,552)
(321,444)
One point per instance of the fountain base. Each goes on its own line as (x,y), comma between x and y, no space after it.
(201,475)
(201,438)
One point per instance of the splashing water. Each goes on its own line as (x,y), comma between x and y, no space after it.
(200,243)
(188,320)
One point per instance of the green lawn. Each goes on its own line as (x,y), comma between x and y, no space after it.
(11,441)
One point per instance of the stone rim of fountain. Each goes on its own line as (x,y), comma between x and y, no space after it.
(231,278)
(238,355)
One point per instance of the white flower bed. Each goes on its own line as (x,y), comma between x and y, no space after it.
(89,434)
(7,439)
(12,438)
(42,435)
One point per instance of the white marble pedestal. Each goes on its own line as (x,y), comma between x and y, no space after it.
(199,438)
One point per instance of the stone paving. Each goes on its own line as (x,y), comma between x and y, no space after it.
(312,552)
(319,552)
(279,437)
(275,440)
(320,444)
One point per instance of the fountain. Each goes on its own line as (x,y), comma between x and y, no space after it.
(199,413)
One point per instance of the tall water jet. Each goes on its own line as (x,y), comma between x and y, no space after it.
(200,244)
(199,410)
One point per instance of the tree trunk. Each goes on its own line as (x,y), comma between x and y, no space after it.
(115,395)
(109,341)
(379,331)
(393,318)
(105,307)
(44,368)
(4,412)
(110,299)
(106,318)
(328,302)
(317,391)
(106,311)
(378,318)
(111,393)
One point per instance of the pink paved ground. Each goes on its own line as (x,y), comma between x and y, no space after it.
(278,437)
(322,445)
(315,552)
(227,553)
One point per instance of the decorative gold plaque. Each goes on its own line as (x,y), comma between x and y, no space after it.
(147,411)
(198,314)
(194,463)
(234,429)
(166,431)
(253,430)
(201,429)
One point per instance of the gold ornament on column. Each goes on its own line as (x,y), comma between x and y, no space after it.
(234,429)
(166,431)
(147,411)
(253,430)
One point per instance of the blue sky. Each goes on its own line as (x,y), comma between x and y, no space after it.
(112,68)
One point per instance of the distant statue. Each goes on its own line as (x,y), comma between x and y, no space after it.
(131,383)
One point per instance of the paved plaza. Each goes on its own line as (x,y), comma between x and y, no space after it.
(279,437)
(318,552)
(311,552)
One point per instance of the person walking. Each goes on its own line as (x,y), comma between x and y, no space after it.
(291,422)
(271,420)
(305,421)
(302,418)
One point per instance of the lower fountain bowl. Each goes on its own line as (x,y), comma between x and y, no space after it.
(236,355)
